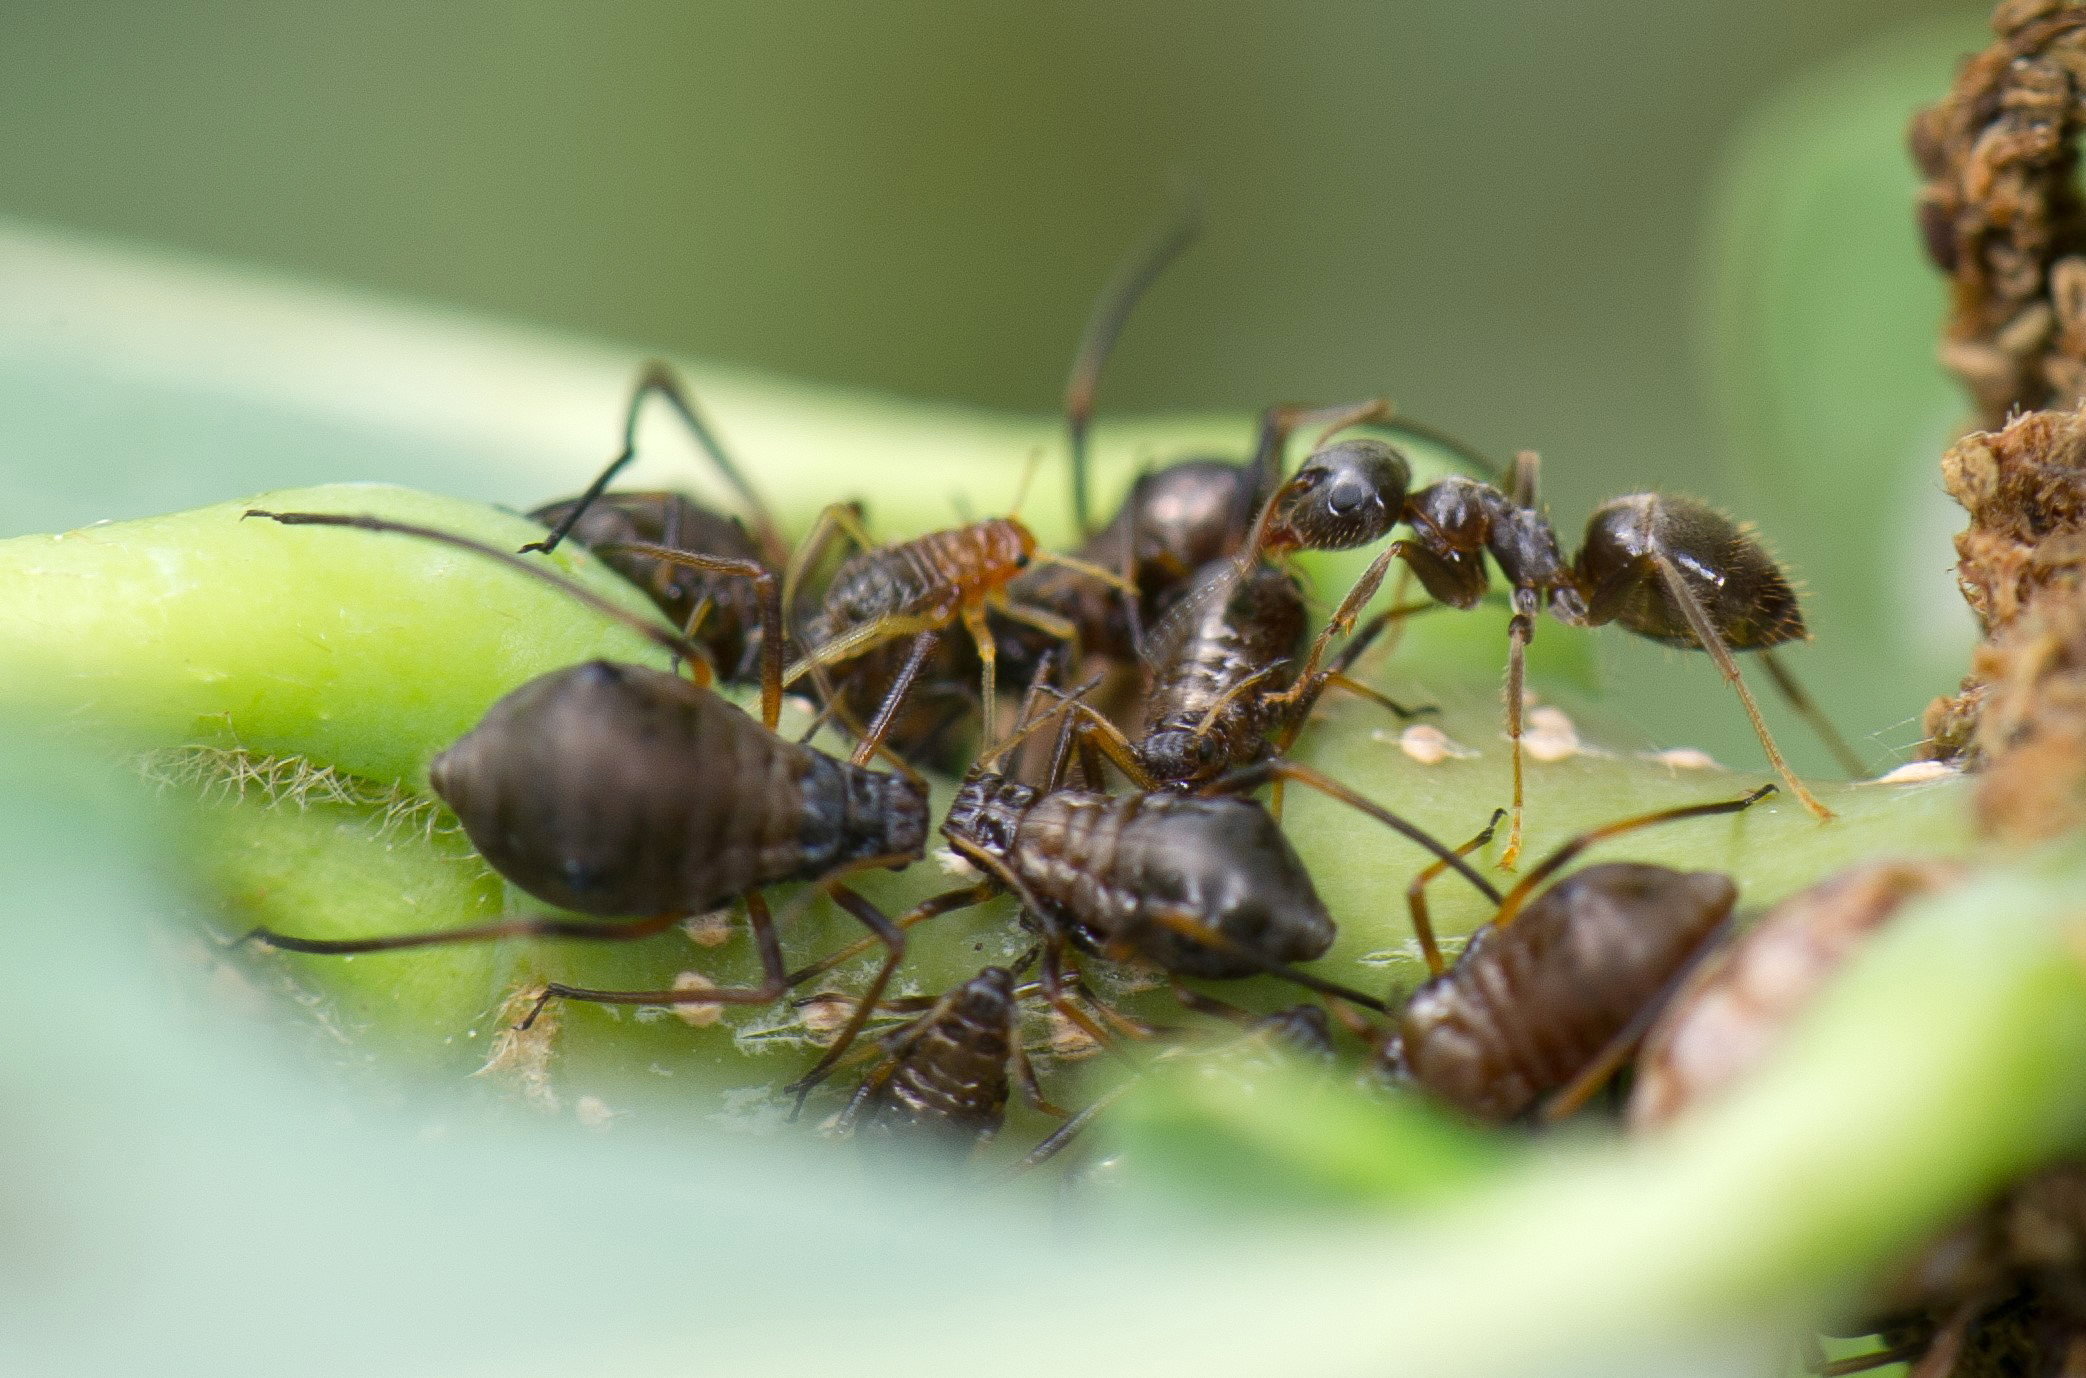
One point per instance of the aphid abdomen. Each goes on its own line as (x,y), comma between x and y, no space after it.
(1527,1007)
(617,790)
(1112,867)
(1215,647)
(951,1073)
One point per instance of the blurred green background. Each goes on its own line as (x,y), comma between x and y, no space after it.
(1518,219)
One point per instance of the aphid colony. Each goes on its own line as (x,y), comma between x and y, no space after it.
(638,797)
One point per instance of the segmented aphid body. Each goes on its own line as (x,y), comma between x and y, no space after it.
(616,789)
(947,1070)
(1142,875)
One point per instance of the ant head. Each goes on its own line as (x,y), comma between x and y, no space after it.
(1345,495)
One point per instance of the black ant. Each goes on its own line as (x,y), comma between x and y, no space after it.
(616,790)
(1667,568)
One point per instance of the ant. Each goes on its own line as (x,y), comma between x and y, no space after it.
(1180,518)
(1546,1000)
(1667,568)
(718,611)
(616,789)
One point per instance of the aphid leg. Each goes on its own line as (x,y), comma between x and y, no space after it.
(1187,924)
(1093,731)
(1874,1359)
(658,377)
(1132,277)
(765,586)
(988,668)
(1059,1139)
(1416,896)
(1807,708)
(856,640)
(1520,628)
(643,626)
(835,518)
(1253,776)
(1207,1004)
(933,907)
(613,931)
(1051,977)
(1031,1089)
(873,739)
(771,987)
(861,1097)
(1562,857)
(1601,1068)
(893,939)
(1706,635)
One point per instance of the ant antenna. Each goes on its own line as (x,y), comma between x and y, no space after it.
(1133,276)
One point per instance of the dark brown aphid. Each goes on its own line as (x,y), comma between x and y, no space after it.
(947,1071)
(1666,568)
(1735,1008)
(1225,690)
(1548,998)
(617,790)
(720,613)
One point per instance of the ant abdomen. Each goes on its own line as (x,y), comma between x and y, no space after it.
(1531,1004)
(1743,592)
(615,789)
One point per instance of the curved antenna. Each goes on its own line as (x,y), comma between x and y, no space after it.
(1133,276)
(659,636)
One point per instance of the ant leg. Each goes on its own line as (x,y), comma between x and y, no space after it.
(1602,1067)
(1706,636)
(771,987)
(629,930)
(1260,772)
(1527,477)
(1562,857)
(1807,709)
(769,592)
(1416,897)
(1132,277)
(934,907)
(699,664)
(1520,629)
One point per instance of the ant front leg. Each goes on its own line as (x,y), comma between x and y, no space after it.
(1520,630)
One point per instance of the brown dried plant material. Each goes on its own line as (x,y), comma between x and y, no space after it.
(2020,716)
(2000,214)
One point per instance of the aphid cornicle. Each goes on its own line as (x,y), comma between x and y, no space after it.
(720,613)
(1546,1000)
(620,790)
(1666,568)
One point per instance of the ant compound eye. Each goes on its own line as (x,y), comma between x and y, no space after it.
(1348,495)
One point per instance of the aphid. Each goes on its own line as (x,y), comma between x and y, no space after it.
(1195,885)
(719,612)
(1224,690)
(1734,1009)
(1177,519)
(920,587)
(1667,568)
(947,1071)
(1546,1000)
(617,790)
